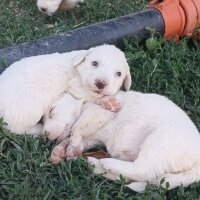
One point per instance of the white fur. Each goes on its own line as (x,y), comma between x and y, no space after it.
(30,86)
(49,7)
(148,139)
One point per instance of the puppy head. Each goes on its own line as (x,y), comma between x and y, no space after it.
(61,117)
(49,7)
(104,70)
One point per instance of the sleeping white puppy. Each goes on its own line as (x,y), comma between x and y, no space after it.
(148,139)
(49,7)
(30,86)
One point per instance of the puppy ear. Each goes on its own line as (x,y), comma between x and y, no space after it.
(127,81)
(79,57)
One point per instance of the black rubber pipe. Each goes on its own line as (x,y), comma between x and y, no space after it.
(111,32)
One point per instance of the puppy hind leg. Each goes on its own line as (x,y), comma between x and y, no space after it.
(115,166)
(137,170)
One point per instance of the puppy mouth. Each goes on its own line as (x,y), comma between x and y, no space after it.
(98,92)
(95,90)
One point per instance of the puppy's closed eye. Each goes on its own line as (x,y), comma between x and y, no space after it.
(51,112)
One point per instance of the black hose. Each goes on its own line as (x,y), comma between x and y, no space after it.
(111,32)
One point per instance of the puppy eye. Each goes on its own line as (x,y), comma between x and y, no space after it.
(118,74)
(95,64)
(51,113)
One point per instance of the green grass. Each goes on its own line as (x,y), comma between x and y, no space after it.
(20,20)
(169,68)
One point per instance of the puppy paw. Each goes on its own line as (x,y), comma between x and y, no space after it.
(110,103)
(73,152)
(58,154)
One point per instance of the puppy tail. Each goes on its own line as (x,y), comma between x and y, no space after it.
(171,181)
(185,178)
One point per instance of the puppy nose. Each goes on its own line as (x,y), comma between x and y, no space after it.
(100,84)
(43,9)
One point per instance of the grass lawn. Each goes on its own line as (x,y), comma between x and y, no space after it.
(171,69)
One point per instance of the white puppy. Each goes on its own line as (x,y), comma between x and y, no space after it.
(151,136)
(30,86)
(49,7)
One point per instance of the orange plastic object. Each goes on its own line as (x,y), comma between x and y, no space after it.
(181,17)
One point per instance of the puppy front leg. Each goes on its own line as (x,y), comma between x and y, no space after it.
(91,120)
(83,133)
(75,148)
